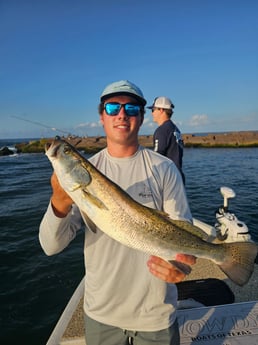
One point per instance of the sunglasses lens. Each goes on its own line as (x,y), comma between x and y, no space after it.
(132,109)
(112,108)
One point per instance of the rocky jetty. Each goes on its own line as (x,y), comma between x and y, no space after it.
(228,139)
(94,144)
(6,151)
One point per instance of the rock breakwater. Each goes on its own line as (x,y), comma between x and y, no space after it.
(94,144)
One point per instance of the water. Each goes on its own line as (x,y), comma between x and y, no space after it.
(35,288)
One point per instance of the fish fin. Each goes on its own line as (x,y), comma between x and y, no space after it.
(89,222)
(185,225)
(184,268)
(192,229)
(239,264)
(93,200)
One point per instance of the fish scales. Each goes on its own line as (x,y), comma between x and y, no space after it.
(139,223)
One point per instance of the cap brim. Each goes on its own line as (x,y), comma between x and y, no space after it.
(120,93)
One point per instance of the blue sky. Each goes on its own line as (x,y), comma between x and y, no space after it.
(57,56)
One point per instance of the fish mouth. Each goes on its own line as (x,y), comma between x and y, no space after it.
(51,149)
(47,146)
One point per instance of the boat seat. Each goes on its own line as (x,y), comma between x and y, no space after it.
(209,292)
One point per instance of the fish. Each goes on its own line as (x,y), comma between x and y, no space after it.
(106,206)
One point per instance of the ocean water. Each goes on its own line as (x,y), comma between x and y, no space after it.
(35,288)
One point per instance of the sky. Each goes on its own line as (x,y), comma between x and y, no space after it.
(57,56)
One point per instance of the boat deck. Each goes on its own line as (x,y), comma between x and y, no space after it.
(74,334)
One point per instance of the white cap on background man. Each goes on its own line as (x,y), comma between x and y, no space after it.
(162,102)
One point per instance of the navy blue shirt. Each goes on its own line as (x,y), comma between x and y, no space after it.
(167,140)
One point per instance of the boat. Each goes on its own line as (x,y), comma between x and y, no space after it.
(211,309)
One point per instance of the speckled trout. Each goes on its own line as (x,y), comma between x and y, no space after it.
(109,208)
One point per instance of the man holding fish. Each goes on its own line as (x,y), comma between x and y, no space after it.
(130,295)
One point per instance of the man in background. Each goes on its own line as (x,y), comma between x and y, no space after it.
(167,139)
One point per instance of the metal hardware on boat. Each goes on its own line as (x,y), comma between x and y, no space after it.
(228,227)
(227,193)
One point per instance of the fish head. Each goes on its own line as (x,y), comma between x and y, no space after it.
(52,149)
(69,165)
(60,150)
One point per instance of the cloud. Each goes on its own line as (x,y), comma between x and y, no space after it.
(199,120)
(148,122)
(89,125)
(89,128)
(148,126)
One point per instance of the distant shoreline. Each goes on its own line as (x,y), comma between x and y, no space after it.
(94,144)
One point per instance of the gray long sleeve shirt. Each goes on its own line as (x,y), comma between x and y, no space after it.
(119,289)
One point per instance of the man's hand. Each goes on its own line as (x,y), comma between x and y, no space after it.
(60,200)
(163,270)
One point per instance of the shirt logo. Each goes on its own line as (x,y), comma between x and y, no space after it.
(179,139)
(146,193)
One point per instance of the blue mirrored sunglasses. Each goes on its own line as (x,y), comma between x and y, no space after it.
(113,109)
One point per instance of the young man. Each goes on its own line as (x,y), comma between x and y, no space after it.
(167,139)
(129,296)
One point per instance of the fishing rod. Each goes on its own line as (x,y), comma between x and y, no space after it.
(41,124)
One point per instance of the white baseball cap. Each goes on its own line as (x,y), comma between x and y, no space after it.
(162,102)
(123,87)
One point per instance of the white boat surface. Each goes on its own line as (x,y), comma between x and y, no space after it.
(226,324)
(70,328)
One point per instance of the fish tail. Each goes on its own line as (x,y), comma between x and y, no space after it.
(239,263)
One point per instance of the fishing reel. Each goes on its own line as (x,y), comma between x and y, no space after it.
(228,227)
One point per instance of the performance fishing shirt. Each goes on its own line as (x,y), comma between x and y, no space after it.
(119,289)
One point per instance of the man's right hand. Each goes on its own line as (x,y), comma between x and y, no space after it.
(60,200)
